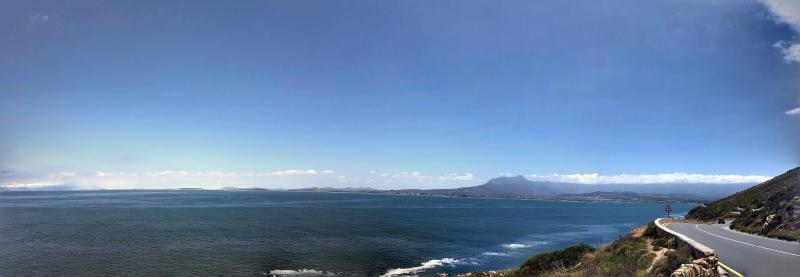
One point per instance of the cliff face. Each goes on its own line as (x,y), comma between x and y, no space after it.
(771,208)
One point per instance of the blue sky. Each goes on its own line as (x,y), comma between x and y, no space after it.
(394,93)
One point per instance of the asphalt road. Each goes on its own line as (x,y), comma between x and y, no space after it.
(748,254)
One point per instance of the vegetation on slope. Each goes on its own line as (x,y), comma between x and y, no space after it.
(556,260)
(771,208)
(635,254)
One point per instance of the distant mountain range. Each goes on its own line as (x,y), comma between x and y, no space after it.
(520,187)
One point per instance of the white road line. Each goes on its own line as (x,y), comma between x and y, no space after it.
(759,246)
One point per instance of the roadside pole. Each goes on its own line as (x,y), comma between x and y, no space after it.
(668,209)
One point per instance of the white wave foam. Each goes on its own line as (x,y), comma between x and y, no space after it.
(412,271)
(299,273)
(523,245)
(516,245)
(502,254)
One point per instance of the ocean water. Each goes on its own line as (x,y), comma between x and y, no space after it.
(263,233)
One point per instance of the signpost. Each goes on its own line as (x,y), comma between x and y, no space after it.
(668,209)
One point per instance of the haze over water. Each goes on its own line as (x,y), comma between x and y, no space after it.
(256,233)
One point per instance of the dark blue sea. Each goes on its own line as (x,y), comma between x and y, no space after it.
(265,233)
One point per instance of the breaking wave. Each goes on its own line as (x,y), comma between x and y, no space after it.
(299,273)
(411,271)
(523,245)
(516,245)
(502,254)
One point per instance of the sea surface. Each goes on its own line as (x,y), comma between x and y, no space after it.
(266,233)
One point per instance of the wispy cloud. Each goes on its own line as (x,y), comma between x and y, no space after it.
(786,12)
(164,179)
(409,179)
(795,111)
(289,178)
(790,51)
(39,17)
(664,178)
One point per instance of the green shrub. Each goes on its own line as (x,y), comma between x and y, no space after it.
(784,234)
(661,242)
(665,242)
(555,260)
(626,257)
(651,230)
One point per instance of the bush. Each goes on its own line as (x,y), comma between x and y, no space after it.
(784,234)
(651,230)
(660,242)
(626,257)
(555,260)
(665,243)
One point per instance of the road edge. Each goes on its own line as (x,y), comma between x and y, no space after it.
(702,250)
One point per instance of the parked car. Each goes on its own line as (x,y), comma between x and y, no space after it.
(721,221)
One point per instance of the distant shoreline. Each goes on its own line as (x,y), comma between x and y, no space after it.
(608,200)
(531,198)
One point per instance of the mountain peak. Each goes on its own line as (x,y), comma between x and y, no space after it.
(518,178)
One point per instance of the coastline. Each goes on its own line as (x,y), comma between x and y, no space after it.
(555,199)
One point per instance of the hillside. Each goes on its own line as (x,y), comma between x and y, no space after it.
(505,187)
(511,186)
(642,252)
(771,208)
(520,187)
(627,196)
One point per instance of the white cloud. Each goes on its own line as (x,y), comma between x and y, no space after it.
(786,12)
(327,171)
(421,178)
(30,185)
(795,111)
(664,178)
(292,172)
(791,53)
(164,179)
(454,177)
